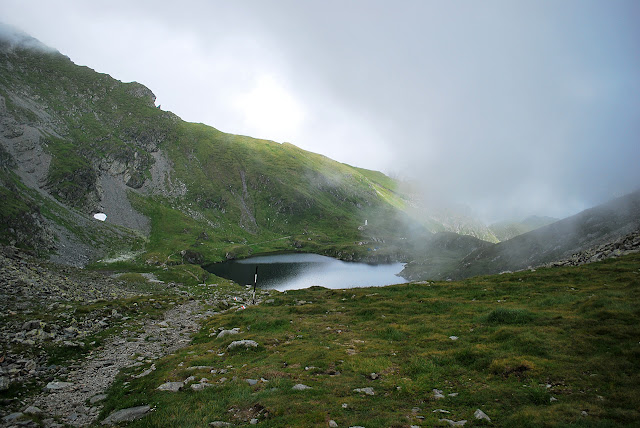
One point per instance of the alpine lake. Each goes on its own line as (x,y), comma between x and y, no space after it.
(297,271)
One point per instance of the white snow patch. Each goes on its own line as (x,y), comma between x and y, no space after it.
(100,216)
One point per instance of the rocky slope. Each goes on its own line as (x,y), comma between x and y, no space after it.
(68,332)
(582,233)
(628,244)
(558,241)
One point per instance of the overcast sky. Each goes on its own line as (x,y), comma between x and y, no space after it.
(510,107)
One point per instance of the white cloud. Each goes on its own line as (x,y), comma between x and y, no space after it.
(270,110)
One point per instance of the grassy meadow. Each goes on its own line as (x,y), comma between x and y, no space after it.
(554,347)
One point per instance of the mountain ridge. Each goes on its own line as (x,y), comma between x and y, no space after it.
(80,142)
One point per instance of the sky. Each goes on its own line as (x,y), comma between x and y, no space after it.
(512,108)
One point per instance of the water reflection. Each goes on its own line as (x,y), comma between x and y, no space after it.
(296,271)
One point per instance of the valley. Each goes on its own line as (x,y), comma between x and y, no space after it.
(114,320)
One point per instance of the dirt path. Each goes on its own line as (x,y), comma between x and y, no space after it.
(95,375)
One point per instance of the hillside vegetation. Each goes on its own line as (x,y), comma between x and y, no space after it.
(81,142)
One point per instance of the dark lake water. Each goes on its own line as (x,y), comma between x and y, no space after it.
(296,271)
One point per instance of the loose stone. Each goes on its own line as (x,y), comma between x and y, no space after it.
(454,423)
(437,394)
(32,410)
(171,386)
(54,386)
(368,390)
(300,387)
(479,414)
(224,333)
(126,415)
(242,344)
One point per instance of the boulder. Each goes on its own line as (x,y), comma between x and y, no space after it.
(171,386)
(479,414)
(56,385)
(300,387)
(126,415)
(224,333)
(454,423)
(242,344)
(368,390)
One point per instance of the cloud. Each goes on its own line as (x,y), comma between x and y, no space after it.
(510,108)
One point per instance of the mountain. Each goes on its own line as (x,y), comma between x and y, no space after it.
(74,142)
(506,230)
(440,254)
(558,241)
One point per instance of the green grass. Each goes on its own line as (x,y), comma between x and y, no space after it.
(533,349)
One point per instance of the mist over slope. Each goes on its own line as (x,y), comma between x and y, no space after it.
(75,142)
(557,241)
(506,230)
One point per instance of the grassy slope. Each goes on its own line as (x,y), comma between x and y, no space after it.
(525,340)
(250,196)
(557,241)
(244,195)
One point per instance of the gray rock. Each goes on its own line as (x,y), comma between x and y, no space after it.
(254,421)
(96,398)
(224,333)
(374,376)
(251,381)
(333,424)
(126,415)
(368,390)
(437,394)
(56,385)
(12,417)
(454,423)
(32,410)
(32,325)
(300,387)
(146,372)
(171,386)
(4,383)
(200,386)
(242,344)
(479,414)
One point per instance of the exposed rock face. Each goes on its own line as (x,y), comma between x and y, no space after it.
(76,147)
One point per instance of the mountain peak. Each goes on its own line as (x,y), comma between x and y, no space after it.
(12,38)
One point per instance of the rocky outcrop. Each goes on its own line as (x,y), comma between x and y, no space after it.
(629,244)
